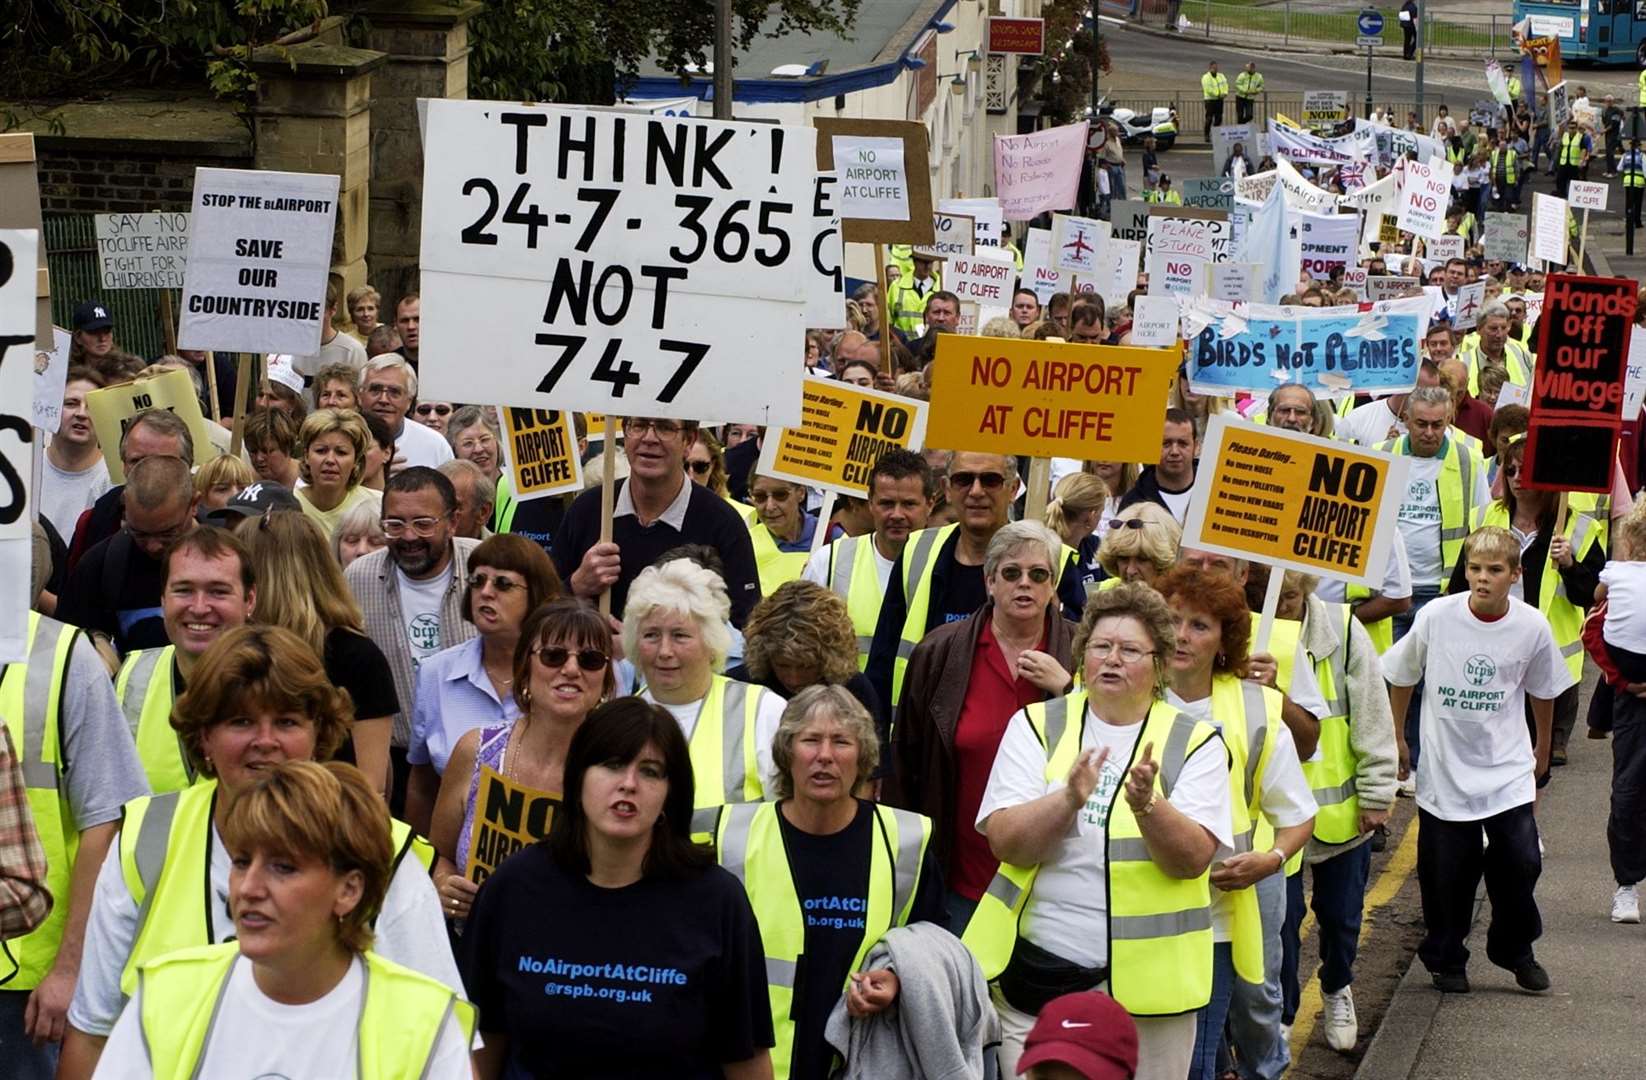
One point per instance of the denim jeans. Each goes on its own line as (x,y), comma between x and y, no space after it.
(1255,1009)
(1339,900)
(959,909)
(1421,595)
(19,1059)
(1209,1023)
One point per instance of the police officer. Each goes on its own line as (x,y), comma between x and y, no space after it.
(1248,85)
(907,296)
(1213,89)
(1633,169)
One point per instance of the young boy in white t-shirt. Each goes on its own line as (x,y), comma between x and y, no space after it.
(1479,655)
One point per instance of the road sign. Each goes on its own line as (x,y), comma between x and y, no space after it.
(1370,23)
(1368,41)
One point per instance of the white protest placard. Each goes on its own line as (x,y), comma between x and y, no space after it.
(1424,196)
(1181,244)
(1324,108)
(1039,171)
(1233,281)
(1154,321)
(1176,275)
(954,234)
(1560,108)
(1390,286)
(614,263)
(873,180)
(1038,274)
(19,249)
(826,284)
(1515,394)
(986,214)
(1226,138)
(983,278)
(1354,278)
(1117,267)
(1077,241)
(259,254)
(1549,225)
(1506,237)
(1634,381)
(1586,195)
(51,373)
(1467,304)
(1328,243)
(142,251)
(1444,247)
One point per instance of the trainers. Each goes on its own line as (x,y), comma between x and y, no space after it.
(1342,1026)
(1531,977)
(1450,982)
(1626,904)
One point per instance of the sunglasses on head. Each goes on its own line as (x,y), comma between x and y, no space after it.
(1037,574)
(1127,523)
(442,409)
(554,657)
(964,480)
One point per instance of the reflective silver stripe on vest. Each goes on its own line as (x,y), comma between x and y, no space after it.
(734,838)
(1005,890)
(916,570)
(1582,524)
(1169,924)
(845,551)
(153,838)
(905,861)
(359,1022)
(732,704)
(1128,849)
(1175,752)
(1466,473)
(38,773)
(137,687)
(1257,729)
(780,972)
(1573,649)
(434,1047)
(211,1021)
(1057,719)
(703,820)
(1333,796)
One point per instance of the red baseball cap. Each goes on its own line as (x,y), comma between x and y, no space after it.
(1088,1032)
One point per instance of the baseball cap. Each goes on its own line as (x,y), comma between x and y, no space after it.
(92,315)
(255,499)
(1089,1032)
(283,371)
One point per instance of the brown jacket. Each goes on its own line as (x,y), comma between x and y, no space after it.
(940,671)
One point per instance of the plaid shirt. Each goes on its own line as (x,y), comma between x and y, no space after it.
(374,583)
(24,898)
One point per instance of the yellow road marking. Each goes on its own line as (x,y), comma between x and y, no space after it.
(1395,874)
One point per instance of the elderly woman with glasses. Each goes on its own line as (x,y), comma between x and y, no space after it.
(821,840)
(1106,808)
(1140,544)
(471,685)
(965,681)
(562,671)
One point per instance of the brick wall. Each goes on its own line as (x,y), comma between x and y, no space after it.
(125,180)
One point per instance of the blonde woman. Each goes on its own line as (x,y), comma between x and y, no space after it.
(221,479)
(1140,544)
(331,455)
(1077,506)
(300,587)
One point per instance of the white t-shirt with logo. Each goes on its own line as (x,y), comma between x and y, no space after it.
(1476,758)
(1419,518)
(1285,798)
(254,1035)
(1068,911)
(420,606)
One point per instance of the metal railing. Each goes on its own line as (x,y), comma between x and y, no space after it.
(1287,22)
(76,275)
(1191,108)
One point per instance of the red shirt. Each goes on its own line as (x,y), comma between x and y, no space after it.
(993,697)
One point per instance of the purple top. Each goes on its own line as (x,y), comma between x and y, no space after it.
(493,740)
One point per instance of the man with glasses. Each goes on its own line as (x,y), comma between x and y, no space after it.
(115,589)
(656,508)
(388,387)
(938,577)
(411,592)
(151,433)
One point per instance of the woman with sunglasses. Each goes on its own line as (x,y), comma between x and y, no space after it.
(782,535)
(1139,544)
(965,680)
(472,685)
(1558,572)
(706,462)
(433,414)
(562,671)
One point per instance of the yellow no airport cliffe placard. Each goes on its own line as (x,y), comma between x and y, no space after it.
(113,408)
(1295,501)
(846,428)
(540,447)
(507,817)
(1049,399)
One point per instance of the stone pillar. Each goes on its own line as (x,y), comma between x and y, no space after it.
(427,43)
(313,114)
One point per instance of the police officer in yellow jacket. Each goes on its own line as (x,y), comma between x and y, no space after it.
(79,768)
(1632,167)
(902,491)
(164,886)
(938,578)
(1214,88)
(1248,88)
(209,590)
(827,874)
(907,295)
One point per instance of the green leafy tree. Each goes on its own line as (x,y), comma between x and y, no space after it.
(1065,72)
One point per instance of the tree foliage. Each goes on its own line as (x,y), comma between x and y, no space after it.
(1065,83)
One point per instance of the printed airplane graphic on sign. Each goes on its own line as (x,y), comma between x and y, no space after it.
(1078,248)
